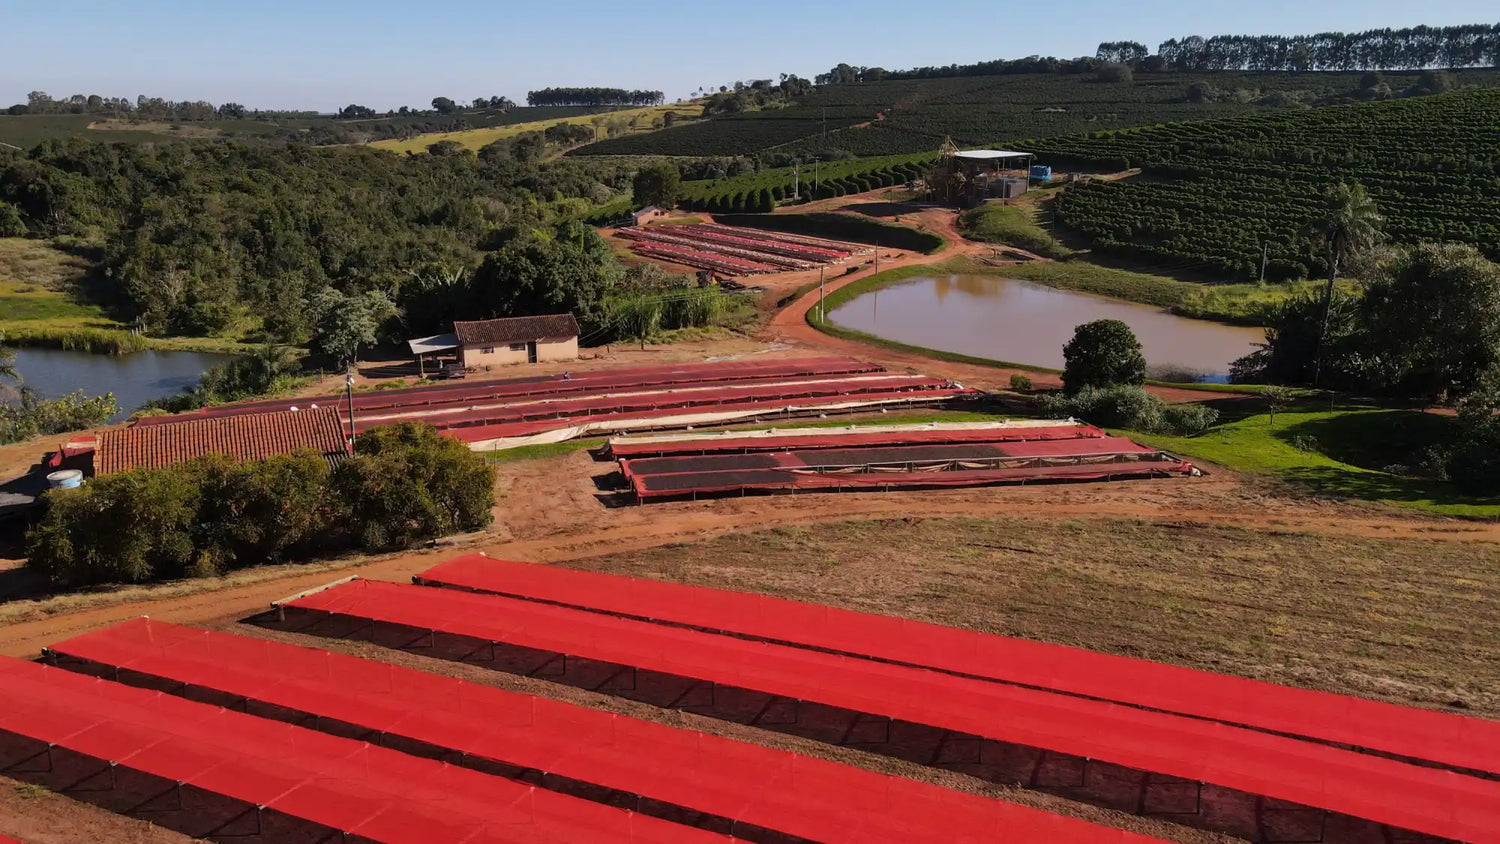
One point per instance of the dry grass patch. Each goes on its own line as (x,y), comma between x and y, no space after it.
(1411,621)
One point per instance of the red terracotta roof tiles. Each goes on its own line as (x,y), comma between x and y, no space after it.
(516,329)
(250,437)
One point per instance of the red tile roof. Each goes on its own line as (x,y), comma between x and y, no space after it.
(517,329)
(249,437)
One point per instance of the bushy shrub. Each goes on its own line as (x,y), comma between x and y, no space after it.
(1129,407)
(1189,419)
(128,528)
(30,415)
(1020,383)
(407,484)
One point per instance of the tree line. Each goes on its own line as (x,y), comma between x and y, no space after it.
(142,108)
(404,484)
(594,97)
(1473,45)
(1415,48)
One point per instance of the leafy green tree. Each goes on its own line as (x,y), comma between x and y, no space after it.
(1294,335)
(1102,353)
(347,321)
(128,528)
(1430,322)
(11,224)
(657,184)
(408,483)
(444,105)
(260,511)
(1347,226)
(1276,398)
(447,148)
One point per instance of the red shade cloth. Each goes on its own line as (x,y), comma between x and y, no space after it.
(1374,788)
(1450,739)
(346,785)
(774,789)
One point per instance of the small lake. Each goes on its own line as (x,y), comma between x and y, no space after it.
(1018,321)
(134,378)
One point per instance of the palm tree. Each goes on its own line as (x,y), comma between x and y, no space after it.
(1347,225)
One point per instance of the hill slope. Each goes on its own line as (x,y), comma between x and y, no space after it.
(906,116)
(1219,192)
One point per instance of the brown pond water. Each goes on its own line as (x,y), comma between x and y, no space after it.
(1029,323)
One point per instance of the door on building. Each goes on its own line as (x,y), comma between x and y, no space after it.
(531,352)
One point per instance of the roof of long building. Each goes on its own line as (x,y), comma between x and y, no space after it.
(248,437)
(516,329)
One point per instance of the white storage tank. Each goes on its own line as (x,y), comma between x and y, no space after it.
(65,479)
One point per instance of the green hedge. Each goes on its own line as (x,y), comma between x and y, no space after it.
(841,227)
(405,484)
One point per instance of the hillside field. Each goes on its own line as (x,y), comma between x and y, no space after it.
(27,130)
(634,119)
(1216,193)
(908,116)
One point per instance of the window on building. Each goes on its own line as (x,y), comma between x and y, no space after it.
(488,350)
(518,347)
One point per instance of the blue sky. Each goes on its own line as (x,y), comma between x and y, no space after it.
(323,54)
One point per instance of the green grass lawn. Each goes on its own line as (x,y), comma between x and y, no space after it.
(1338,453)
(1010,225)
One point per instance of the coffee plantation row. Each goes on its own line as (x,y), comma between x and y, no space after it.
(1225,194)
(763,190)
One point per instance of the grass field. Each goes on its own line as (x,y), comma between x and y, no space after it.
(639,120)
(1336,452)
(40,290)
(44,302)
(1417,621)
(1010,225)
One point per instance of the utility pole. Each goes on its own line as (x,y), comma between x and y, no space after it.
(796,183)
(349,395)
(821,313)
(1265,253)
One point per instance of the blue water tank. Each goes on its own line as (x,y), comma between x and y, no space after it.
(1041,172)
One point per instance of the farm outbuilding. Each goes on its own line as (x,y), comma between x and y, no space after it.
(969,177)
(646,215)
(532,339)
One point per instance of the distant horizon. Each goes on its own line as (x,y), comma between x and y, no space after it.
(277,55)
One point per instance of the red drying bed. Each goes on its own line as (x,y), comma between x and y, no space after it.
(453,415)
(787,237)
(770,480)
(644,419)
(718,444)
(1455,740)
(798,795)
(597,381)
(877,455)
(968,464)
(348,786)
(1374,788)
(677,402)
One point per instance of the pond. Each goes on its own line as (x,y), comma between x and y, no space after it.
(1018,321)
(134,378)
